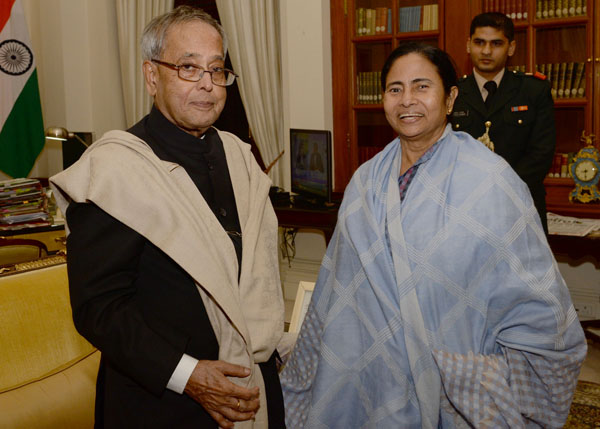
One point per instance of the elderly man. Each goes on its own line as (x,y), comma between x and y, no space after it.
(172,250)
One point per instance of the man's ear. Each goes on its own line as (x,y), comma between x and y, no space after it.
(150,77)
(469,45)
(511,48)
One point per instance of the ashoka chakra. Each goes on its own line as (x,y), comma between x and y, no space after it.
(15,57)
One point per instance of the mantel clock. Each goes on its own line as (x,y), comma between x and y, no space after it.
(585,170)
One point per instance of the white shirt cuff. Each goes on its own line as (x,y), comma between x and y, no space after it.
(182,373)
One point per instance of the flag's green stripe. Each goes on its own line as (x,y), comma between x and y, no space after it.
(22,137)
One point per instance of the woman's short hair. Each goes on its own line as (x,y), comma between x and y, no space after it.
(153,38)
(440,59)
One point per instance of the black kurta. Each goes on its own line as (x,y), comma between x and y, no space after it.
(139,307)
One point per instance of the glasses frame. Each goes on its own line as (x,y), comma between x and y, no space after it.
(202,71)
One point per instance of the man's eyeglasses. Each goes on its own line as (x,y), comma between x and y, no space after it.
(192,73)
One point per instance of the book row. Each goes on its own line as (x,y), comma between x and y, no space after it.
(567,78)
(560,165)
(418,18)
(514,9)
(546,9)
(369,88)
(373,21)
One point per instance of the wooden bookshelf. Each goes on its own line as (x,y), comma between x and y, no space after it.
(360,128)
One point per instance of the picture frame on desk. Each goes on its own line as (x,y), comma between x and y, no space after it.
(303,297)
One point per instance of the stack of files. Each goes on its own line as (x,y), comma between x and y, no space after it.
(23,204)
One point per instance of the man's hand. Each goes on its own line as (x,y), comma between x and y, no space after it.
(225,401)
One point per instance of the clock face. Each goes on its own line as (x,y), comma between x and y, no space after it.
(586,170)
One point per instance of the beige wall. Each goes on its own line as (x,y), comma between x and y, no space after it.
(306,67)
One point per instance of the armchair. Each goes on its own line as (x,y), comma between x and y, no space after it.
(48,371)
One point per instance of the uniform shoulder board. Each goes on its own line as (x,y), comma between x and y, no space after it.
(537,75)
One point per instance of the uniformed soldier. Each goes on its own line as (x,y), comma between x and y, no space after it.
(518,107)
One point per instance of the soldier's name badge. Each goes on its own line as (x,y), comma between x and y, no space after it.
(519,108)
(460,113)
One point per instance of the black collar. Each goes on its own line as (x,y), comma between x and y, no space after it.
(173,138)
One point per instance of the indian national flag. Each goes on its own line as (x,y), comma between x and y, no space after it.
(21,126)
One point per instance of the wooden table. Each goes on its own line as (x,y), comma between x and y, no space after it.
(576,247)
(53,236)
(321,218)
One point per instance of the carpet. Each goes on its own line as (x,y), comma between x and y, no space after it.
(585,409)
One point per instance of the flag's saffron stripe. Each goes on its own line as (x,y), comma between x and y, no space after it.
(5,8)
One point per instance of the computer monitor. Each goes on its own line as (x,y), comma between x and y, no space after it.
(311,165)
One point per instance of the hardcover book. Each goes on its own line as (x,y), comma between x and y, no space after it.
(579,76)
(519,9)
(541,68)
(360,20)
(555,77)
(569,79)
(549,72)
(562,71)
(435,20)
(581,89)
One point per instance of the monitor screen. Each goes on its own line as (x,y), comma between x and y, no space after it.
(311,163)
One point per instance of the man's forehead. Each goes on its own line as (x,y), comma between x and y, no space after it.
(183,38)
(488,34)
(198,56)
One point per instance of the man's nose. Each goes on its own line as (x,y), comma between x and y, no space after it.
(487,49)
(205,81)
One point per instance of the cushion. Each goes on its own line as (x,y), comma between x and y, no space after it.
(62,400)
(37,335)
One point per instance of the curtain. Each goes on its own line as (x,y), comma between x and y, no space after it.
(132,17)
(252,28)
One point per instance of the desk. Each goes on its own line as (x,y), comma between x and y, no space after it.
(53,236)
(323,219)
(576,247)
